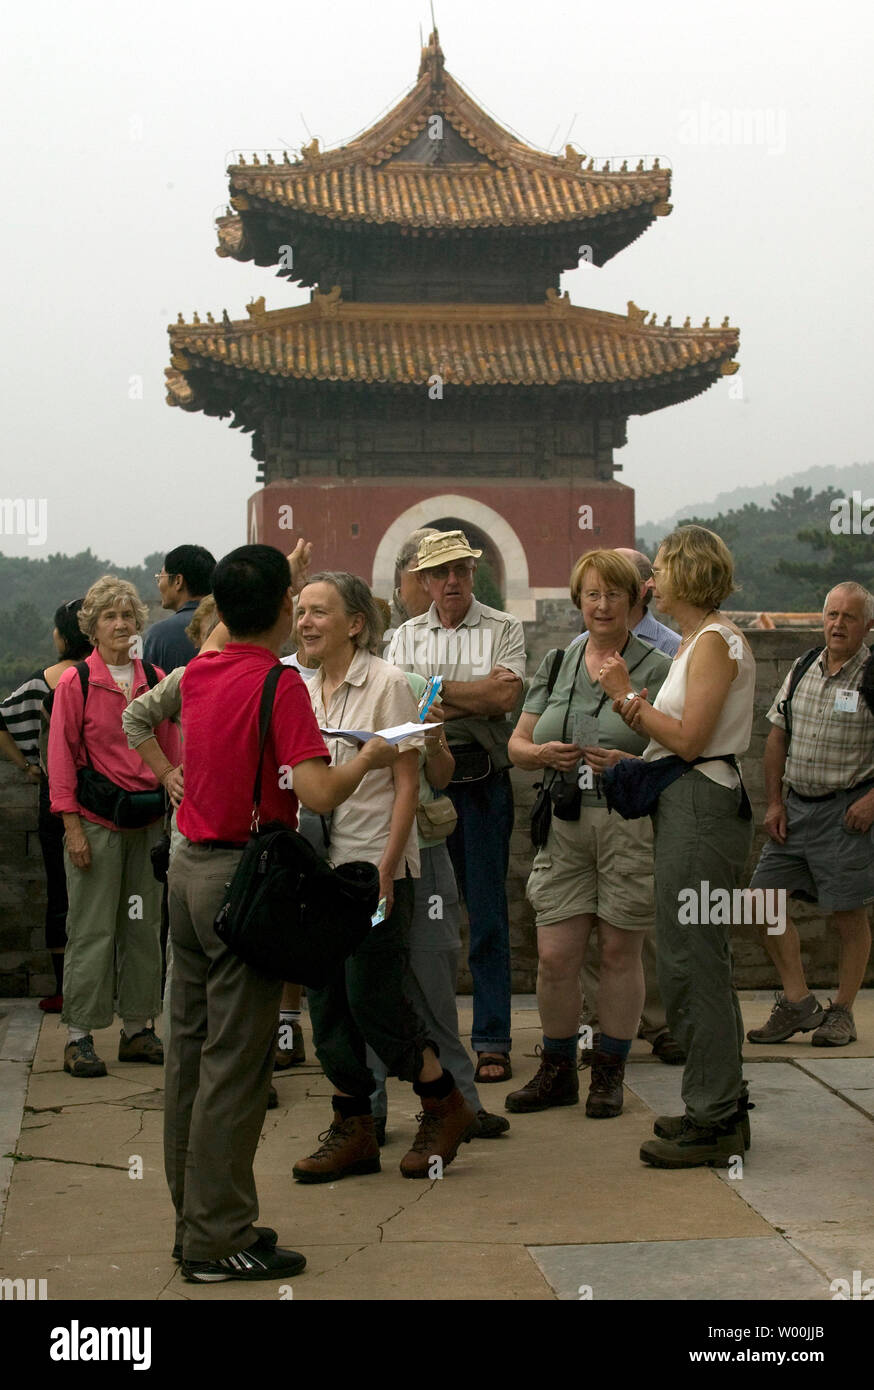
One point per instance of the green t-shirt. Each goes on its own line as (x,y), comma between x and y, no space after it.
(574,692)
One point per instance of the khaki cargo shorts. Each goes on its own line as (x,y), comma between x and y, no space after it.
(600,864)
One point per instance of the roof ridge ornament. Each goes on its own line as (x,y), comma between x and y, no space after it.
(557,302)
(432,62)
(328,304)
(256,310)
(636,315)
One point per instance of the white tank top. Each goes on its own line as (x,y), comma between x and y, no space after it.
(735,723)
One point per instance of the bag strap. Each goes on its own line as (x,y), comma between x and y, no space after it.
(554,670)
(801,667)
(265,711)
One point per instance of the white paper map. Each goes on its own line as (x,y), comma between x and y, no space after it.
(394,735)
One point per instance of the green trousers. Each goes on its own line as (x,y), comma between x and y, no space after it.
(219,1064)
(701,843)
(113,929)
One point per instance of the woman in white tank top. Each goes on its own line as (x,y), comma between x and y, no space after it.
(704,709)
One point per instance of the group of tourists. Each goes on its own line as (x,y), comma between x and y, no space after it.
(146,756)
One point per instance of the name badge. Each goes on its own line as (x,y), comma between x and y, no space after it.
(847,701)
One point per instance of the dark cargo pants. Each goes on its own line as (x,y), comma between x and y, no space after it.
(701,843)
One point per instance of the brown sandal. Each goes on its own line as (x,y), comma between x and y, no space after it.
(492,1059)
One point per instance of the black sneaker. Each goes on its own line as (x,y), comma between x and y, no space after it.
(266,1236)
(260,1261)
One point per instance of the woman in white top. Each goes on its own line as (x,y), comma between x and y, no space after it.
(365,1003)
(703,836)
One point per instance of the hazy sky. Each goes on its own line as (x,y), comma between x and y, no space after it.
(117,124)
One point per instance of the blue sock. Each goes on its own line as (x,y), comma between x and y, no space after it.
(565,1047)
(615,1047)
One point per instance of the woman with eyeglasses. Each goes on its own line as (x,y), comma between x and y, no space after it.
(23,739)
(594,873)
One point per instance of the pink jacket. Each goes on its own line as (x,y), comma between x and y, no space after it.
(103,737)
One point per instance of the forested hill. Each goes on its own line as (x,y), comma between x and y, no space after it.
(786,555)
(818,479)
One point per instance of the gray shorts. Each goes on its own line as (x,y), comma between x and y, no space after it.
(822,861)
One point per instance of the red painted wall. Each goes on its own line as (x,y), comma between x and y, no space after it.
(546,517)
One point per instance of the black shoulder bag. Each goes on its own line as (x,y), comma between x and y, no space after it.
(287,913)
(541,811)
(105,798)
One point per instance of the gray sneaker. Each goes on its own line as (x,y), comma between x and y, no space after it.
(787,1018)
(838,1027)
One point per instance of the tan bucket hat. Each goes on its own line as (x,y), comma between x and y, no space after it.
(442,549)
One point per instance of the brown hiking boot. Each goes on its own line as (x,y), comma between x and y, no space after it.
(80,1059)
(144,1046)
(348,1146)
(556,1082)
(605,1092)
(443,1125)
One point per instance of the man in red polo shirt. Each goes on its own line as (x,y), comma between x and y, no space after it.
(223,1030)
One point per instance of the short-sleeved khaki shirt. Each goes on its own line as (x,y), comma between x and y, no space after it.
(373,696)
(832,744)
(484,638)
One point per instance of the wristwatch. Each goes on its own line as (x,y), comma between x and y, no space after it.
(632,695)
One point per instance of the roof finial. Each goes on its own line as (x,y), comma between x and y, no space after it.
(431,65)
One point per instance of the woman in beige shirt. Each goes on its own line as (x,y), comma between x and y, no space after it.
(338,624)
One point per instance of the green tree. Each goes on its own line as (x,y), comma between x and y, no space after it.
(485,586)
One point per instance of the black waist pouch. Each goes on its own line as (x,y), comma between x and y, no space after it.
(633,787)
(127,810)
(472,764)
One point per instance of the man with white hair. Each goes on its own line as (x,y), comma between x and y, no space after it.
(819,782)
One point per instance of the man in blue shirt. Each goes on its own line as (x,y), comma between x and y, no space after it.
(185,579)
(640,620)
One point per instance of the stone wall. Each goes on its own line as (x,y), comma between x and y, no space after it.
(25,967)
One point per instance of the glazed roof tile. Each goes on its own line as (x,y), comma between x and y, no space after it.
(465,344)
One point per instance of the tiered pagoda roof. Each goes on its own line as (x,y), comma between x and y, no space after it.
(411,179)
(468,345)
(401,175)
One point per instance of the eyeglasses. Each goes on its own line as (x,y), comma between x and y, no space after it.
(442,572)
(612,595)
(162,575)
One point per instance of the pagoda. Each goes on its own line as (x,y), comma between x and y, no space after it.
(438,375)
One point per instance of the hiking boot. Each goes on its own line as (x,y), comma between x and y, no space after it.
(669,1051)
(80,1059)
(348,1146)
(266,1237)
(786,1019)
(489,1126)
(671,1126)
(290,1050)
(260,1261)
(443,1125)
(838,1027)
(379,1123)
(556,1082)
(144,1046)
(696,1147)
(605,1096)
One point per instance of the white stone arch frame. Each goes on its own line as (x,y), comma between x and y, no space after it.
(518,596)
(253,537)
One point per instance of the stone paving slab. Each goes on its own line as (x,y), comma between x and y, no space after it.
(558,1180)
(20,1021)
(851,1077)
(716,1270)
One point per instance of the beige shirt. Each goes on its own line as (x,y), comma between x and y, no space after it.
(484,638)
(373,696)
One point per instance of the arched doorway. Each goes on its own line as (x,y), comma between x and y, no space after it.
(475,519)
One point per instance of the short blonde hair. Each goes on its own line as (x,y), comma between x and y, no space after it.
(204,618)
(700,566)
(104,592)
(611,568)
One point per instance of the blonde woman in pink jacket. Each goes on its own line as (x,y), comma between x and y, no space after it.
(112,808)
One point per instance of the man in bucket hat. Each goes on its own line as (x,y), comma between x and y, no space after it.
(480,653)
